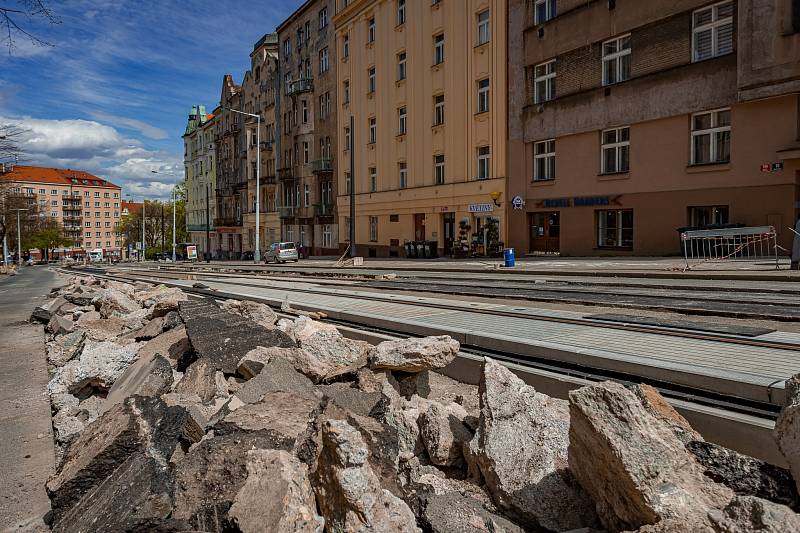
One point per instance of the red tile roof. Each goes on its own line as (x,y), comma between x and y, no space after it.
(59,176)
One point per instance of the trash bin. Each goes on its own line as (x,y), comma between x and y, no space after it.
(420,246)
(432,249)
(510,257)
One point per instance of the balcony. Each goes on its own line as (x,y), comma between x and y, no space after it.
(322,166)
(71,218)
(227,222)
(286,212)
(323,210)
(286,173)
(302,85)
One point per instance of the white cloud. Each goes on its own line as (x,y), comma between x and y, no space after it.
(151,132)
(101,150)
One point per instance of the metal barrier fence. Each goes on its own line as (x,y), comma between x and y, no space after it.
(732,244)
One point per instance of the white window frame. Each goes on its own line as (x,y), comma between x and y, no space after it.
(371,30)
(548,154)
(373,229)
(327,236)
(617,57)
(402,169)
(323,17)
(484,31)
(401,12)
(617,146)
(401,65)
(304,111)
(483,95)
(306,195)
(373,130)
(438,49)
(324,65)
(712,132)
(549,80)
(438,110)
(550,10)
(345,46)
(714,26)
(370,80)
(484,163)
(306,153)
(346,90)
(438,169)
(402,120)
(373,179)
(347,143)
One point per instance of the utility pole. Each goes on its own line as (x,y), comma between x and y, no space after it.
(173,225)
(352,228)
(208,228)
(163,229)
(19,238)
(5,242)
(144,245)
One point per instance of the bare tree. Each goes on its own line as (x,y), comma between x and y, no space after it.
(17,15)
(10,138)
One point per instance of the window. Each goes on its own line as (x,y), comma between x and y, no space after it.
(307,32)
(711,137)
(326,236)
(401,66)
(371,30)
(438,169)
(54,192)
(708,215)
(54,203)
(615,228)
(287,48)
(106,195)
(401,121)
(97,204)
(304,111)
(373,179)
(373,229)
(544,82)
(323,60)
(483,96)
(85,193)
(88,234)
(323,17)
(348,183)
(544,160)
(346,46)
(88,225)
(712,31)
(373,130)
(483,162)
(401,12)
(402,170)
(42,191)
(615,150)
(544,10)
(483,27)
(347,144)
(438,49)
(371,80)
(438,109)
(306,195)
(617,60)
(97,194)
(306,153)
(346,91)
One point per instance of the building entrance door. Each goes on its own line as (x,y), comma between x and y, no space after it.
(449,229)
(545,233)
(419,226)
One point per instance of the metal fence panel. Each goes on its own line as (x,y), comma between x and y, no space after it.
(730,244)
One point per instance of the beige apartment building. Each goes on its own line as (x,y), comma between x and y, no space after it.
(260,86)
(630,120)
(86,207)
(200,179)
(424,84)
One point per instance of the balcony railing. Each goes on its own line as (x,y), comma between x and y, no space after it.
(323,210)
(286,212)
(300,86)
(322,165)
(227,221)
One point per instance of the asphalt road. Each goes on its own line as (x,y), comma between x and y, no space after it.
(26,445)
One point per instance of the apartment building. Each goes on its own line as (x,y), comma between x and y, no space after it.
(231,171)
(308,129)
(200,179)
(424,84)
(629,120)
(86,207)
(260,86)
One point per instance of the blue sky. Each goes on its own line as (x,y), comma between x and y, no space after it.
(112,95)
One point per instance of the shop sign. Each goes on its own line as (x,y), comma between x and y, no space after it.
(580,201)
(480,208)
(517,202)
(772,167)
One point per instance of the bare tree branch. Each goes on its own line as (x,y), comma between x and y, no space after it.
(10,139)
(13,27)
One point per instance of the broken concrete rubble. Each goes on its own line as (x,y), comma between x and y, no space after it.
(443,434)
(111,302)
(455,513)
(787,428)
(99,366)
(259,313)
(277,375)
(415,355)
(64,348)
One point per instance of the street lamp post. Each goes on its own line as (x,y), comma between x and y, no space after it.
(257,251)
(173,225)
(19,238)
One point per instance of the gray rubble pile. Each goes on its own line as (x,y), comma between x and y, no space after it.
(176,414)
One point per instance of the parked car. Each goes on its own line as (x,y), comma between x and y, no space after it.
(281,252)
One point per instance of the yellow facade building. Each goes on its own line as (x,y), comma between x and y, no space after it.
(424,84)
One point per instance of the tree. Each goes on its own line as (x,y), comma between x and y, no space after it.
(10,137)
(130,226)
(12,199)
(14,16)
(48,238)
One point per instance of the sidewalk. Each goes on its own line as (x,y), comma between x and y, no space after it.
(26,446)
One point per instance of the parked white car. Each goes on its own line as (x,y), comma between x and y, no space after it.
(281,252)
